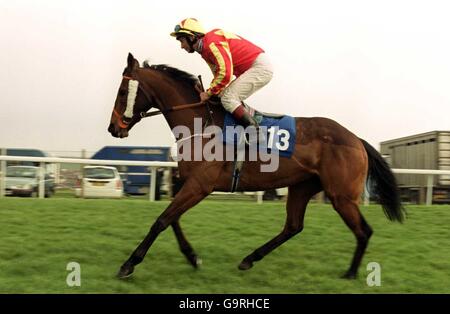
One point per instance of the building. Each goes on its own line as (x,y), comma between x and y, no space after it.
(429,150)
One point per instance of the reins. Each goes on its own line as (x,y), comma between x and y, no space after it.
(180,107)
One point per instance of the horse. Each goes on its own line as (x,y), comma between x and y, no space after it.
(327,157)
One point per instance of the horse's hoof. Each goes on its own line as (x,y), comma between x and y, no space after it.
(245,265)
(349,275)
(195,261)
(198,262)
(125,272)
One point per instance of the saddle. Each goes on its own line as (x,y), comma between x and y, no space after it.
(269,121)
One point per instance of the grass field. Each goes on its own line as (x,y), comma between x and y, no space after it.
(40,237)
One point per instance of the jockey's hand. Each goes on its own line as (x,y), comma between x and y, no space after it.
(204,96)
(198,88)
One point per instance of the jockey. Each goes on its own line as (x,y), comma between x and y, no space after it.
(227,54)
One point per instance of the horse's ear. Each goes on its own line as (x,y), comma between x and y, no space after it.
(130,59)
(132,62)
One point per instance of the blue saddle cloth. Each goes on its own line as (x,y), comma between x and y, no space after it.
(279,134)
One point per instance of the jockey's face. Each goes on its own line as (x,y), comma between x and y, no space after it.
(187,44)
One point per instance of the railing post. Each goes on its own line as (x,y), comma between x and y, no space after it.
(259,197)
(366,196)
(2,173)
(153,184)
(429,190)
(320,197)
(83,156)
(170,184)
(41,180)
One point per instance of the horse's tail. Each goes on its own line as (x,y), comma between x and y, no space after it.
(383,184)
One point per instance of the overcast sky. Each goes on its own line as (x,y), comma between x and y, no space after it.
(380,68)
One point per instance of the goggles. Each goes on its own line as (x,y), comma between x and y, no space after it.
(179,28)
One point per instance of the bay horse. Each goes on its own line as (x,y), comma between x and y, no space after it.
(327,157)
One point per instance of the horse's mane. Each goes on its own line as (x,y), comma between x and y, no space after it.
(174,73)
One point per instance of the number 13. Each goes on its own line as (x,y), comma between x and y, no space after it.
(282,134)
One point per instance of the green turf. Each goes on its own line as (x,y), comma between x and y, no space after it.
(40,237)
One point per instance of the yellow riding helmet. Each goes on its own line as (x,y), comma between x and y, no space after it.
(188,26)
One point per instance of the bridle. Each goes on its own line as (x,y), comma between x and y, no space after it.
(124,121)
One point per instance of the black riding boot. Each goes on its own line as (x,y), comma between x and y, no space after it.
(247,120)
(253,137)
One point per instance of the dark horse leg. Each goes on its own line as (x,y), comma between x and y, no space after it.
(185,247)
(298,197)
(349,211)
(190,194)
(344,185)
